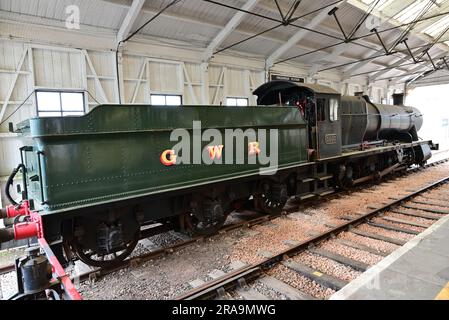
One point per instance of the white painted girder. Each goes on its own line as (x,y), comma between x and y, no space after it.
(99,86)
(13,82)
(129,20)
(227,30)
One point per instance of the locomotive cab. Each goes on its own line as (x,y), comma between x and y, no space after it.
(320,108)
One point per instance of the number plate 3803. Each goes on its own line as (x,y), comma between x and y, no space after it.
(330,139)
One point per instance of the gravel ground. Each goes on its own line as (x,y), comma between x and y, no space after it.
(440,202)
(267,291)
(424,206)
(8,256)
(398,225)
(327,266)
(430,214)
(443,190)
(167,277)
(386,233)
(439,195)
(301,283)
(373,243)
(435,194)
(158,241)
(352,253)
(272,239)
(373,195)
(8,285)
(424,221)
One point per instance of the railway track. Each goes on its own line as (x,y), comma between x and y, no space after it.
(138,260)
(257,220)
(98,273)
(428,204)
(7,268)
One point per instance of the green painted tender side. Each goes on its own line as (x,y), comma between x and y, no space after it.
(113,152)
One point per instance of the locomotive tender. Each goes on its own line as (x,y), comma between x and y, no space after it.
(96,180)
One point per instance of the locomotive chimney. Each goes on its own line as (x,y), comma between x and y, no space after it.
(398,99)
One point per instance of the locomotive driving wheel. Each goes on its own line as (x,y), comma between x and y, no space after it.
(203,217)
(104,259)
(272,198)
(345,176)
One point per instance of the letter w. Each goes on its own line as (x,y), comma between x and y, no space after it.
(215,152)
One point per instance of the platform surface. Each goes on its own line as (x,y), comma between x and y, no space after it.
(417,271)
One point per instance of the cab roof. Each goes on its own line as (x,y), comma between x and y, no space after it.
(283,84)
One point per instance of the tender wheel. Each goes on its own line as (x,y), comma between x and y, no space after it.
(104,242)
(272,198)
(204,217)
(104,260)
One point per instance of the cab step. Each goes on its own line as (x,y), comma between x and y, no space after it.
(325,193)
(323,178)
(305,196)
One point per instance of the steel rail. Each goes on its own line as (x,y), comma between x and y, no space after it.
(98,272)
(132,261)
(7,268)
(231,280)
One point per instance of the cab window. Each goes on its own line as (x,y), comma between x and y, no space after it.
(333,110)
(320,109)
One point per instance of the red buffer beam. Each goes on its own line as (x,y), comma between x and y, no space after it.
(30,229)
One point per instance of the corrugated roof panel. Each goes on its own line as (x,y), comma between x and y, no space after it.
(380,5)
(307,57)
(174,28)
(93,13)
(415,9)
(199,10)
(102,14)
(348,16)
(258,46)
(438,27)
